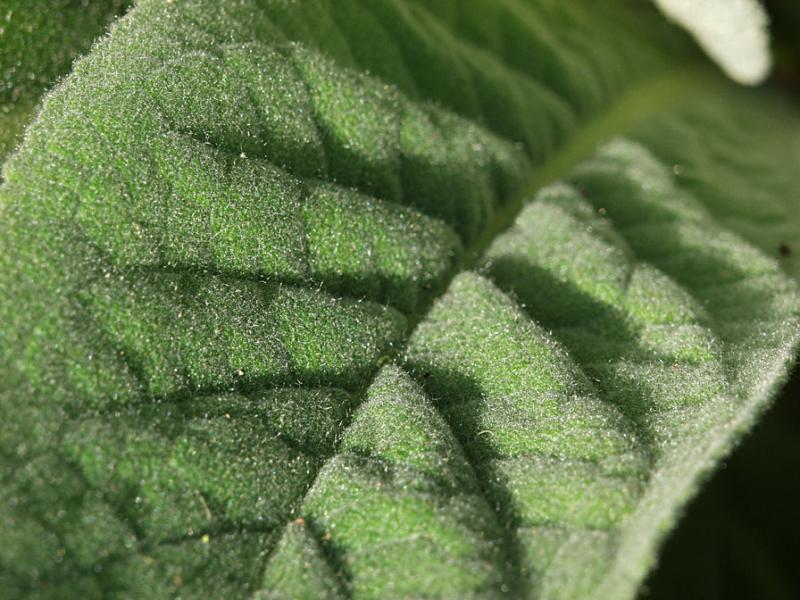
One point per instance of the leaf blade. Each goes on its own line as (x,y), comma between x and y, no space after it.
(167,198)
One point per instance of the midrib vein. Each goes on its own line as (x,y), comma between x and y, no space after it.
(638,102)
(644,99)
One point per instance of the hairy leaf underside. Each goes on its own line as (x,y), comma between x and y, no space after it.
(383,299)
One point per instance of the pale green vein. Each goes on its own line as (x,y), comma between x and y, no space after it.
(636,104)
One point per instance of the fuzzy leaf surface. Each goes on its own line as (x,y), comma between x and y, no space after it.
(38,42)
(383,299)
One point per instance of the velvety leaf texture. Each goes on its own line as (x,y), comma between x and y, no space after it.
(39,40)
(338,299)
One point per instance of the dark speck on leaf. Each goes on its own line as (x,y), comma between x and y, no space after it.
(785,249)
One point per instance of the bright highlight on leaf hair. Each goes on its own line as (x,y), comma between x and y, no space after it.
(733,32)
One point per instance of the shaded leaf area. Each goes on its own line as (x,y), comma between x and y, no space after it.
(744,173)
(569,393)
(40,41)
(218,240)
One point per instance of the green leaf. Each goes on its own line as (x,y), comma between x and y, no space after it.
(39,42)
(391,299)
